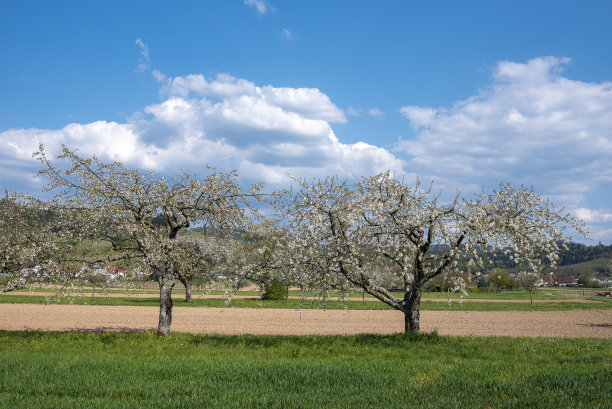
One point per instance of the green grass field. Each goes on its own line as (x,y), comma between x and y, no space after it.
(546,293)
(456,305)
(141,370)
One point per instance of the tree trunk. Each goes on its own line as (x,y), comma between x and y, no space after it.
(187,284)
(412,309)
(166,282)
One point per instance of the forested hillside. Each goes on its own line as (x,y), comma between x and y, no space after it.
(580,253)
(578,260)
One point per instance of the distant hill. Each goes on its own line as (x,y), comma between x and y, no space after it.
(596,267)
(581,260)
(580,253)
(578,260)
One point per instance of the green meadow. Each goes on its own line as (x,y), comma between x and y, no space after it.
(457,304)
(142,370)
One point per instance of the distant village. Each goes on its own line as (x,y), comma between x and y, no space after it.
(116,274)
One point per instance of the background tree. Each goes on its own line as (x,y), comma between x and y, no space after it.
(344,230)
(454,281)
(16,235)
(588,278)
(500,279)
(263,259)
(529,280)
(95,279)
(129,202)
(36,240)
(203,257)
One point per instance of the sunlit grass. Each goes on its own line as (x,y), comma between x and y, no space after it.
(254,302)
(141,370)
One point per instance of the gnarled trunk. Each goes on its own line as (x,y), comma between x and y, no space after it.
(412,309)
(166,282)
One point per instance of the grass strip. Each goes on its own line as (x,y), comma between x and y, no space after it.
(140,370)
(541,294)
(604,304)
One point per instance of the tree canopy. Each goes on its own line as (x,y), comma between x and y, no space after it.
(144,212)
(352,233)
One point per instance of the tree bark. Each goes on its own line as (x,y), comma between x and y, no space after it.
(412,309)
(166,282)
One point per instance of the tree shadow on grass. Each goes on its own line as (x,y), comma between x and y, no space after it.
(266,341)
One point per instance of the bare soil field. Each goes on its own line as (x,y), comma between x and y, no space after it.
(217,296)
(19,317)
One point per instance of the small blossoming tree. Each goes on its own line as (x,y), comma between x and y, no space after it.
(529,280)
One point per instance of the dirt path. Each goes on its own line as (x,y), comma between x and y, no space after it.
(596,324)
(217,296)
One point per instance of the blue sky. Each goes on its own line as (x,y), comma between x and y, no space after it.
(467,94)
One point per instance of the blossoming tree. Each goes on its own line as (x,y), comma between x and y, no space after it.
(529,280)
(36,238)
(343,233)
(200,257)
(145,213)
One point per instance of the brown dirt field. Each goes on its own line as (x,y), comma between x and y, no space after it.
(582,324)
(196,295)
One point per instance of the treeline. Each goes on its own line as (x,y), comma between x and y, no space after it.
(580,253)
(577,260)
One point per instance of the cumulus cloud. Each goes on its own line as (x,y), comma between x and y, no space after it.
(600,233)
(593,216)
(532,126)
(419,116)
(263,131)
(261,6)
(306,102)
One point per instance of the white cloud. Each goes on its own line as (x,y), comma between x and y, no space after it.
(308,102)
(352,111)
(419,116)
(263,131)
(599,233)
(145,62)
(261,6)
(287,33)
(593,216)
(160,77)
(376,112)
(532,126)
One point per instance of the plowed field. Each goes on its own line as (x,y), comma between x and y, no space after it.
(597,324)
